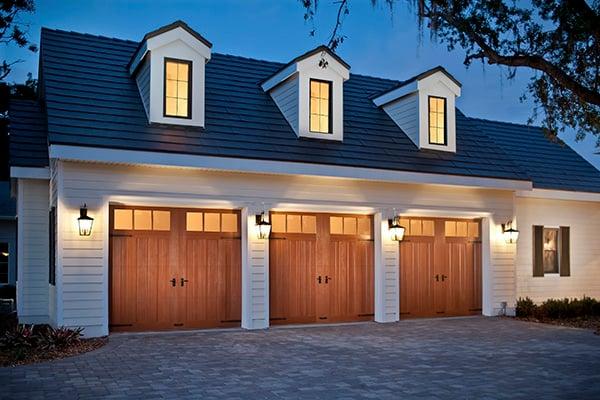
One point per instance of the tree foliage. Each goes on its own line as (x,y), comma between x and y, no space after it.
(13,30)
(559,40)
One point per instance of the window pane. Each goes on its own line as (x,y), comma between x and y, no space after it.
(182,72)
(123,219)
(314,122)
(432,105)
(182,107)
(324,107)
(278,223)
(193,221)
(171,106)
(336,225)
(324,124)
(212,222)
(314,89)
(142,220)
(182,90)
(161,220)
(294,223)
(325,90)
(171,70)
(349,226)
(309,224)
(171,88)
(314,106)
(3,252)
(550,250)
(229,222)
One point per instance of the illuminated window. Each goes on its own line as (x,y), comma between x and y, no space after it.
(320,106)
(437,120)
(178,85)
(551,238)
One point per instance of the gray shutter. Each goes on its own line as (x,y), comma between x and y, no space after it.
(538,250)
(565,251)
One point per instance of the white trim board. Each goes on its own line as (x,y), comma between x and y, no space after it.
(30,172)
(559,195)
(134,157)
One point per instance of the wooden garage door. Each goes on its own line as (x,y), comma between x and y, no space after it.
(174,268)
(440,268)
(321,268)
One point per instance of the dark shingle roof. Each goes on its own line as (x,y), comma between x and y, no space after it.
(550,164)
(28,135)
(92,101)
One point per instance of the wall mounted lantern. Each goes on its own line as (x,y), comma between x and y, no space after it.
(263,226)
(510,234)
(396,230)
(85,222)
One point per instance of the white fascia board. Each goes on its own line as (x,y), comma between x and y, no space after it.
(180,34)
(279,77)
(147,158)
(30,172)
(139,56)
(395,94)
(442,78)
(550,194)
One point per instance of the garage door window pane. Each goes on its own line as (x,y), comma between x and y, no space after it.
(473,229)
(123,219)
(161,220)
(364,226)
(229,223)
(193,221)
(294,224)
(278,223)
(349,226)
(212,222)
(309,224)
(336,225)
(142,220)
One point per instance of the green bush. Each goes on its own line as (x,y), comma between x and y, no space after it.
(525,307)
(558,308)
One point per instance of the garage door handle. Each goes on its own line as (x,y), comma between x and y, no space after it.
(183,281)
(327,279)
(174,282)
(319,279)
(437,278)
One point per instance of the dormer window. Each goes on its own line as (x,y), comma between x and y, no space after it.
(168,66)
(309,91)
(178,88)
(424,107)
(320,106)
(437,120)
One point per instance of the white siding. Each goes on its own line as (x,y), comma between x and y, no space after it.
(583,218)
(32,285)
(85,259)
(143,82)
(286,96)
(405,113)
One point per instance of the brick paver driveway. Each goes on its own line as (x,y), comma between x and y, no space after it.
(446,358)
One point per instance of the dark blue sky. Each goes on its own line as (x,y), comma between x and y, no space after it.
(377,44)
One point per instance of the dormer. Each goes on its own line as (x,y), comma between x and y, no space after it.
(168,67)
(424,108)
(309,91)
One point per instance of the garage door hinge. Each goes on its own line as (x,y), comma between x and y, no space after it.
(118,325)
(277,319)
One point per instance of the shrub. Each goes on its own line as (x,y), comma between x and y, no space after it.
(58,338)
(525,307)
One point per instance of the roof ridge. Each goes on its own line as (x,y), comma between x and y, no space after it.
(505,122)
(89,35)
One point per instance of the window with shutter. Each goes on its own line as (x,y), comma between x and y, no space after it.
(551,251)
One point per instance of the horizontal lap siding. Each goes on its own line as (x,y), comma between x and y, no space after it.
(405,113)
(32,212)
(286,97)
(583,218)
(85,263)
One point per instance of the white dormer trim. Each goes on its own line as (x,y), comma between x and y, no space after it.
(290,89)
(408,105)
(179,42)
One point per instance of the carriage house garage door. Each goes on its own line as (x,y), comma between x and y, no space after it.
(440,267)
(320,268)
(174,268)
